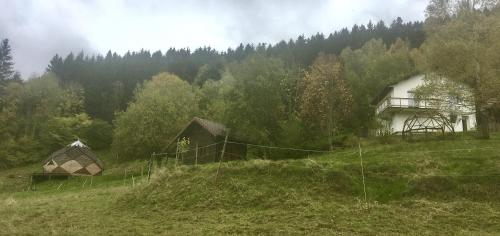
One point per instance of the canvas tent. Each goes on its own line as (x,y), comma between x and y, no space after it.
(74,159)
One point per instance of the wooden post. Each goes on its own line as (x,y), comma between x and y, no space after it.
(153,158)
(125,177)
(221,156)
(91,180)
(133,181)
(362,172)
(149,166)
(196,155)
(31,182)
(166,160)
(177,154)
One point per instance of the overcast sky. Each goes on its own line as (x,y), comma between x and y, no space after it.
(38,29)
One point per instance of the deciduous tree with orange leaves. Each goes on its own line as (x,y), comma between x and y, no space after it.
(326,99)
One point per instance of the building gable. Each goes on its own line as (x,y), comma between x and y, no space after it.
(401,89)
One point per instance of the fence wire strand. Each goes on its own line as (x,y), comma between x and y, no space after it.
(367,152)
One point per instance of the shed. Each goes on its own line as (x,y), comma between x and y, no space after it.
(208,138)
(74,159)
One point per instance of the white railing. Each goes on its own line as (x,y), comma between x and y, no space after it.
(393,102)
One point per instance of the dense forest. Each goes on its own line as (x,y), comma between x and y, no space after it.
(109,81)
(310,92)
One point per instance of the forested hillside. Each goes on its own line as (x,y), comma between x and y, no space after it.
(269,92)
(310,92)
(298,137)
(112,77)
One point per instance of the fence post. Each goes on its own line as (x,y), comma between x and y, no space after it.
(196,155)
(125,177)
(166,160)
(362,172)
(31,182)
(149,166)
(221,156)
(177,154)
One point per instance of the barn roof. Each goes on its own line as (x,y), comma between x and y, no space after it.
(75,151)
(382,94)
(214,128)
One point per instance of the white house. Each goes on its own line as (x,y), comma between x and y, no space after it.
(398,111)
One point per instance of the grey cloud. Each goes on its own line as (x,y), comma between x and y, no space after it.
(39,29)
(36,36)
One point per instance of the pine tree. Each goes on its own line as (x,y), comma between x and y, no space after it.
(6,64)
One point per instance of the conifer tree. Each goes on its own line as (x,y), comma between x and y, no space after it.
(6,63)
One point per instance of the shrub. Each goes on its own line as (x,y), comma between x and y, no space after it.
(59,131)
(18,152)
(98,135)
(161,107)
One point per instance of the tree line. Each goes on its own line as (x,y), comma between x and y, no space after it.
(310,92)
(109,81)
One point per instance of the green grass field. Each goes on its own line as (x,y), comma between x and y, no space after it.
(420,188)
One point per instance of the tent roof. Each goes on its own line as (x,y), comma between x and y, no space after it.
(77,143)
(75,152)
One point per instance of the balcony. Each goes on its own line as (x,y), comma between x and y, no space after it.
(396,104)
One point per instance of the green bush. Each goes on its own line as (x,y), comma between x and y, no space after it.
(98,135)
(21,151)
(161,107)
(60,131)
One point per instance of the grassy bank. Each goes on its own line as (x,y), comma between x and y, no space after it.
(440,187)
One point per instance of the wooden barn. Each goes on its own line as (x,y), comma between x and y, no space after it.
(74,159)
(206,140)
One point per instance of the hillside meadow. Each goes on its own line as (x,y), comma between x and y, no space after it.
(447,187)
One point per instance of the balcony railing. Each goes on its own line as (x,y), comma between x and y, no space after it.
(410,103)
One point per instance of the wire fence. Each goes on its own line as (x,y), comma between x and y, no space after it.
(369,176)
(141,173)
(215,155)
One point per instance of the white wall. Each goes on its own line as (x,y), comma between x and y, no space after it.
(471,123)
(400,90)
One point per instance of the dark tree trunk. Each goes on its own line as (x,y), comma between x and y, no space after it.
(482,121)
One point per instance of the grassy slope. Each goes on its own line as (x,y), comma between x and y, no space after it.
(417,188)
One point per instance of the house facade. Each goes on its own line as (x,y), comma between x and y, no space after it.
(398,111)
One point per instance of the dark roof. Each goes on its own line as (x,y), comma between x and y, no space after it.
(81,154)
(388,88)
(214,128)
(382,94)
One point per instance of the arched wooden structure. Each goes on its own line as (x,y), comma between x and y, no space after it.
(427,122)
